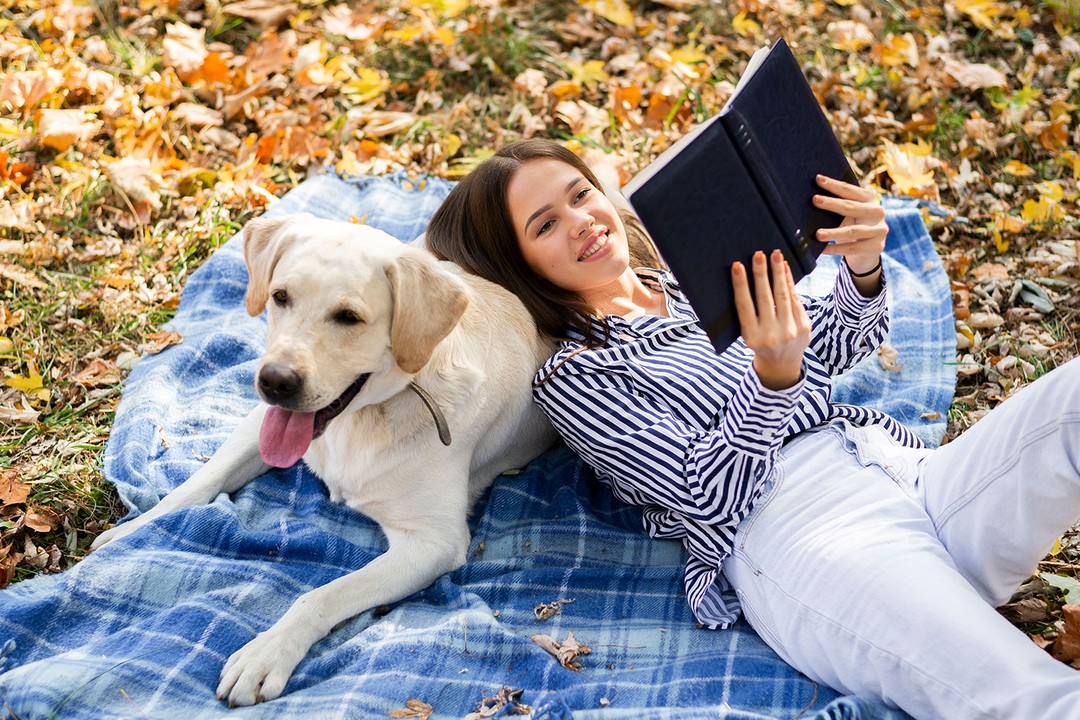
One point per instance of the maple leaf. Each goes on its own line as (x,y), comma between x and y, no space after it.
(31,384)
(13,490)
(1043,210)
(907,165)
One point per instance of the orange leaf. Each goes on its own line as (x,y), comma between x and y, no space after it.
(40,521)
(12,490)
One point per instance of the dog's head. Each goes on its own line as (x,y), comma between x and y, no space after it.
(353,314)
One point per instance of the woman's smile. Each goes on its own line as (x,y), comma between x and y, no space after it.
(596,245)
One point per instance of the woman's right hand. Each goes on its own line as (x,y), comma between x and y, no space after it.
(773,320)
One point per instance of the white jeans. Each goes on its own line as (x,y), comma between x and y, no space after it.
(875,569)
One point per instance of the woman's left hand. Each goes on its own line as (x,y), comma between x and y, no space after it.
(860,238)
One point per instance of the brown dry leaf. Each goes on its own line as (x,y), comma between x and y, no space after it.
(196,115)
(12,490)
(40,521)
(566,652)
(546,611)
(60,129)
(132,178)
(975,75)
(19,415)
(267,14)
(887,357)
(99,372)
(26,89)
(990,270)
(1025,610)
(184,49)
(507,700)
(413,709)
(8,561)
(156,342)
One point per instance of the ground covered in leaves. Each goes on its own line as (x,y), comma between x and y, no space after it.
(137,136)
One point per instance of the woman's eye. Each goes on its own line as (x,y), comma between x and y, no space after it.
(280,297)
(581,194)
(544,228)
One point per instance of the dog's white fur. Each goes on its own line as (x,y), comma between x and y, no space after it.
(469,343)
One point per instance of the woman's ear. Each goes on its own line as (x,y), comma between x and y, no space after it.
(428,302)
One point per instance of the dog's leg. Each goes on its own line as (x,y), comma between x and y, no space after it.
(259,670)
(236,463)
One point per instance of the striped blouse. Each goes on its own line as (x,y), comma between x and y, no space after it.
(689,435)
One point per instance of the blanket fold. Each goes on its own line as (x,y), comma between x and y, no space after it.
(142,627)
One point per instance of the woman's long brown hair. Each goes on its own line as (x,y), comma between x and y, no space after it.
(473,228)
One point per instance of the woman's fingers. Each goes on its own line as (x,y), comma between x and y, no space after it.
(763,295)
(846,190)
(781,291)
(744,301)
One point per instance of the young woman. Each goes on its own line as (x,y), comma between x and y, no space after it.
(868,562)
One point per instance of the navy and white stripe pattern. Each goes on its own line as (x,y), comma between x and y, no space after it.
(690,435)
(143,626)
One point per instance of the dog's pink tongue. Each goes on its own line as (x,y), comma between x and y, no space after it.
(285,436)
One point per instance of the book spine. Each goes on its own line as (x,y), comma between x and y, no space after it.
(762,172)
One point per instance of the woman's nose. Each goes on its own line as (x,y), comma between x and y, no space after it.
(583,222)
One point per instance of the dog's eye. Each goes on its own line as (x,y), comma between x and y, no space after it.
(280,297)
(347,317)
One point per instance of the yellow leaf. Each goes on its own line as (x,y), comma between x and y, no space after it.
(908,165)
(983,13)
(899,50)
(1019,169)
(617,11)
(1057,547)
(1050,190)
(444,35)
(689,54)
(1001,241)
(31,384)
(746,26)
(588,73)
(1041,211)
(1009,223)
(368,85)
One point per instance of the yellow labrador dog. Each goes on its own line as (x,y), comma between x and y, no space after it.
(405,385)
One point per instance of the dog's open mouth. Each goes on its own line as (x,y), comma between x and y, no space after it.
(286,434)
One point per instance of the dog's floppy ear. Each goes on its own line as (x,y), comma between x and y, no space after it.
(428,302)
(263,246)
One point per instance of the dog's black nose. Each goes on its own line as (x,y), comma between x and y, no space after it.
(279,383)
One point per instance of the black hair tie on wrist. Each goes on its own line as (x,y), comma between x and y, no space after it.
(868,273)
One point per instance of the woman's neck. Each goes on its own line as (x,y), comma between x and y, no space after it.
(629,297)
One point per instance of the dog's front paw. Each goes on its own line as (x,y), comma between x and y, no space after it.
(258,671)
(114,533)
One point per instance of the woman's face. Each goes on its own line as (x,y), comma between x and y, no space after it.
(569,232)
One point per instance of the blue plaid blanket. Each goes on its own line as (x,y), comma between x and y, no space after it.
(142,627)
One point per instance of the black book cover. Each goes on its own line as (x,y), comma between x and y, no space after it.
(742,181)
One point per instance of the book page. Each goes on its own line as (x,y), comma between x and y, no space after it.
(751,67)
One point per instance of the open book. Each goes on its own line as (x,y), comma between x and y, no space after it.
(740,182)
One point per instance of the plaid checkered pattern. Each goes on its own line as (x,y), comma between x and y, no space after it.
(143,627)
